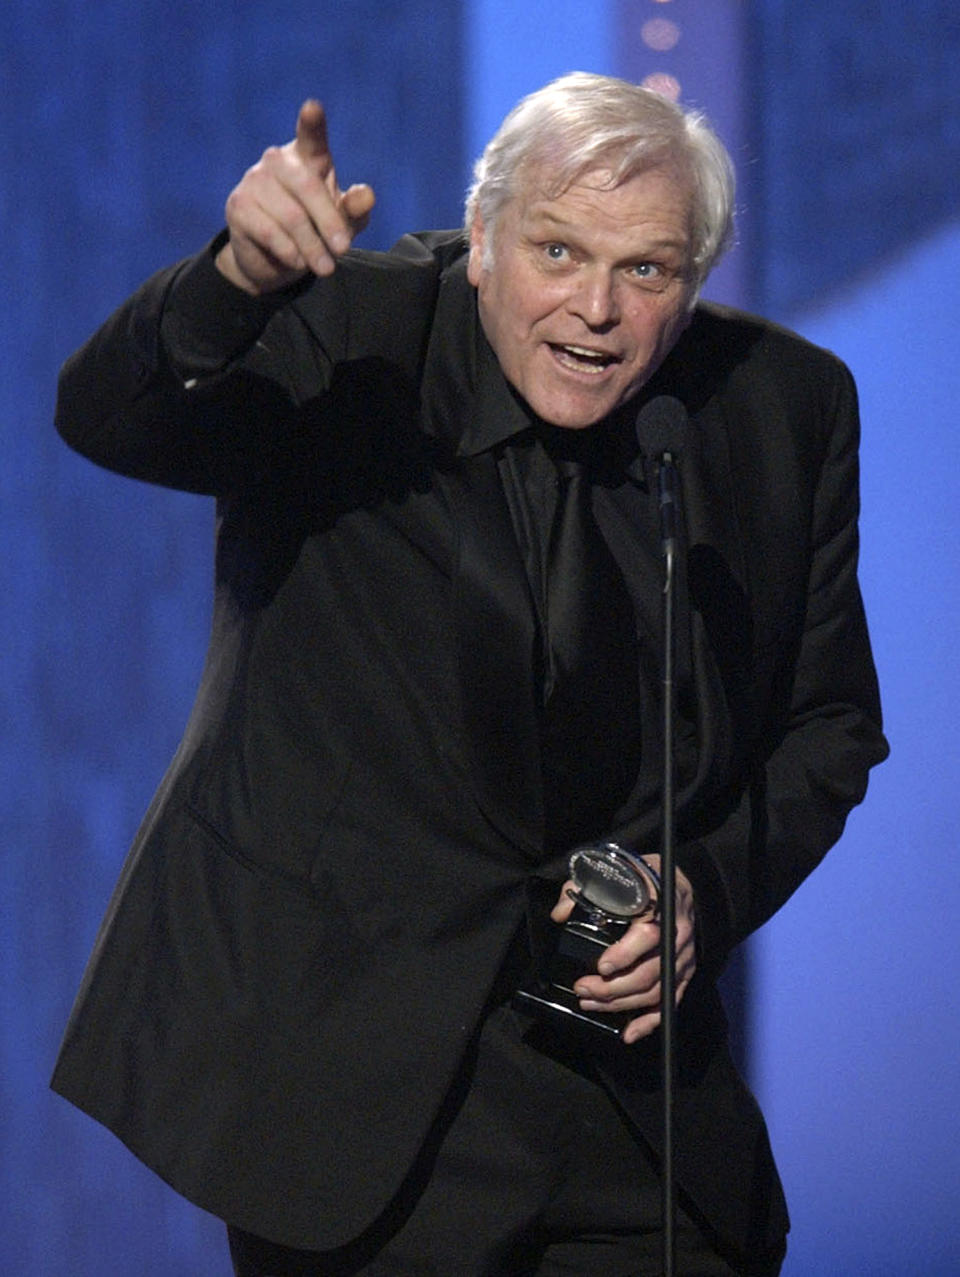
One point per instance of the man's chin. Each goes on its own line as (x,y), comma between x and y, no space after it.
(572,412)
(571,417)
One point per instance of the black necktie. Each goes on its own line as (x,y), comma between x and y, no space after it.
(591,725)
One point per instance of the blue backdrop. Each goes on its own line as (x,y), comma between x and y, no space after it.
(124,127)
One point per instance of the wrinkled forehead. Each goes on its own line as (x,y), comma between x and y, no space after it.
(553,163)
(597,191)
(540,180)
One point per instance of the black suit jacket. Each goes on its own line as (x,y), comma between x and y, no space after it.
(321,895)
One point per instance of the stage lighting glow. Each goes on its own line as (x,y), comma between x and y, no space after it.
(660,34)
(667,86)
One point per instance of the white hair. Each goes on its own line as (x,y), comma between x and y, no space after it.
(583,122)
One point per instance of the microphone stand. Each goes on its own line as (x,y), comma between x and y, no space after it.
(667,484)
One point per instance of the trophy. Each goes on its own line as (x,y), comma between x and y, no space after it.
(611,887)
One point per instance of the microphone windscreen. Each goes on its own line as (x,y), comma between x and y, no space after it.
(662,426)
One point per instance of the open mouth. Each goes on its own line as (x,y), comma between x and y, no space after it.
(582,359)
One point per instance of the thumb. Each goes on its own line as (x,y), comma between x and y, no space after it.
(356,203)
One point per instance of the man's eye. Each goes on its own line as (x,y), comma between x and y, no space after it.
(650,276)
(556,252)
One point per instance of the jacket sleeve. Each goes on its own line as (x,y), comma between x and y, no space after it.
(191,377)
(194,384)
(818,732)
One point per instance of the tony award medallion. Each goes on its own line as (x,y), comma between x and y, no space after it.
(611,887)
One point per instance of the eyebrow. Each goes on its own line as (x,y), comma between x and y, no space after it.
(551,220)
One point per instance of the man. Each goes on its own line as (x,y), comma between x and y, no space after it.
(434,671)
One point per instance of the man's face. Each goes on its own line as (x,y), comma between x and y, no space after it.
(588,291)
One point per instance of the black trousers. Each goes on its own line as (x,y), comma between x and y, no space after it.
(531,1170)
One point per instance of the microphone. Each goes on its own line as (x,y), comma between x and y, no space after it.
(662,426)
(661,429)
(661,432)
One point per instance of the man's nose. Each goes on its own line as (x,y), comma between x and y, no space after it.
(595,299)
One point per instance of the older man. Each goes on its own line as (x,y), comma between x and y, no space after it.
(434,670)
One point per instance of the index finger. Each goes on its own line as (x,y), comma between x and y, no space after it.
(311,140)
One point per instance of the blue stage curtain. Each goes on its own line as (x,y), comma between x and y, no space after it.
(855,121)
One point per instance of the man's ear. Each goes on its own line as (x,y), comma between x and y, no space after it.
(478,244)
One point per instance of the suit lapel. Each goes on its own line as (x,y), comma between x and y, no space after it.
(707,494)
(496,641)
(468,405)
(712,611)
(715,585)
(697,372)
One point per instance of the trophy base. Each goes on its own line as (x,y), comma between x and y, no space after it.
(549,993)
(563,1007)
